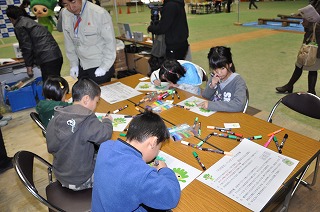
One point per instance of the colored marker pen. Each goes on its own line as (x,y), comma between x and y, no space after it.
(177,94)
(268,142)
(188,144)
(283,140)
(199,130)
(195,122)
(198,159)
(216,151)
(275,132)
(256,137)
(122,108)
(277,144)
(232,133)
(138,109)
(218,128)
(155,162)
(200,144)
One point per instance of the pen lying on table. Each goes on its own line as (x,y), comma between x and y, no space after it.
(215,150)
(122,108)
(206,149)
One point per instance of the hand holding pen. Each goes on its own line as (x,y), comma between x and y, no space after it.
(158,164)
(108,116)
(215,80)
(156,82)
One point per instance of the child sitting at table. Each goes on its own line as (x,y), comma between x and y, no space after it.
(54,91)
(123,181)
(225,89)
(180,74)
(72,134)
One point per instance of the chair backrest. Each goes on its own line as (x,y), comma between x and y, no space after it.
(35,117)
(247,101)
(58,198)
(304,103)
(23,163)
(204,76)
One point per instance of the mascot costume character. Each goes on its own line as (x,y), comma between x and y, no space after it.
(44,11)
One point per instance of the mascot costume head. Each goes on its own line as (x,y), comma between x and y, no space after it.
(44,11)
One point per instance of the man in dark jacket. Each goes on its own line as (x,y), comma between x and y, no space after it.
(173,24)
(36,43)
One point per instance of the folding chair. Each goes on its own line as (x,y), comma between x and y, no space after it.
(58,197)
(247,101)
(35,117)
(306,104)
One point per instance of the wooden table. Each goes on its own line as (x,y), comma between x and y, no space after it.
(198,196)
(142,43)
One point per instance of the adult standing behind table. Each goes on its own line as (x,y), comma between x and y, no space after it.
(173,23)
(37,45)
(89,40)
(313,70)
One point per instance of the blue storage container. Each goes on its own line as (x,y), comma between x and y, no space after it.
(38,85)
(22,98)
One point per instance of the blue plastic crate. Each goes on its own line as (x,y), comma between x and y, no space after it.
(21,99)
(38,85)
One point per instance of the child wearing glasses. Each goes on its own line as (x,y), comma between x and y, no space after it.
(180,74)
(225,90)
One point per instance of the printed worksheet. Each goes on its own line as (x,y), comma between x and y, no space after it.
(119,122)
(117,92)
(192,103)
(184,172)
(148,86)
(251,176)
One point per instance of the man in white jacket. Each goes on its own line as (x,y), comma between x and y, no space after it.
(89,40)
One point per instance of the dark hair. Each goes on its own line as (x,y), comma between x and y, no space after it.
(172,70)
(85,86)
(220,57)
(55,88)
(145,125)
(15,12)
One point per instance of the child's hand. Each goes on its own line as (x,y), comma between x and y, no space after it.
(159,164)
(171,85)
(203,105)
(108,116)
(214,81)
(157,82)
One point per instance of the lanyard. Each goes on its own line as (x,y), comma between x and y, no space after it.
(76,25)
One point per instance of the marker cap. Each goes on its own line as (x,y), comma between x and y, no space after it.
(195,154)
(228,153)
(185,143)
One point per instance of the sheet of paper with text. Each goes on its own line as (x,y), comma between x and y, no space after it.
(251,176)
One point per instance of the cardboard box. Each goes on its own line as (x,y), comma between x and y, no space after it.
(138,62)
(17,50)
(120,56)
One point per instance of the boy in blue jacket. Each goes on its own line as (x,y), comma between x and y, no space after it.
(123,181)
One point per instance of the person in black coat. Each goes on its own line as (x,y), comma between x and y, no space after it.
(173,23)
(37,45)
(5,161)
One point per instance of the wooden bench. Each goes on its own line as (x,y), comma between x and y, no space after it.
(289,16)
(285,22)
